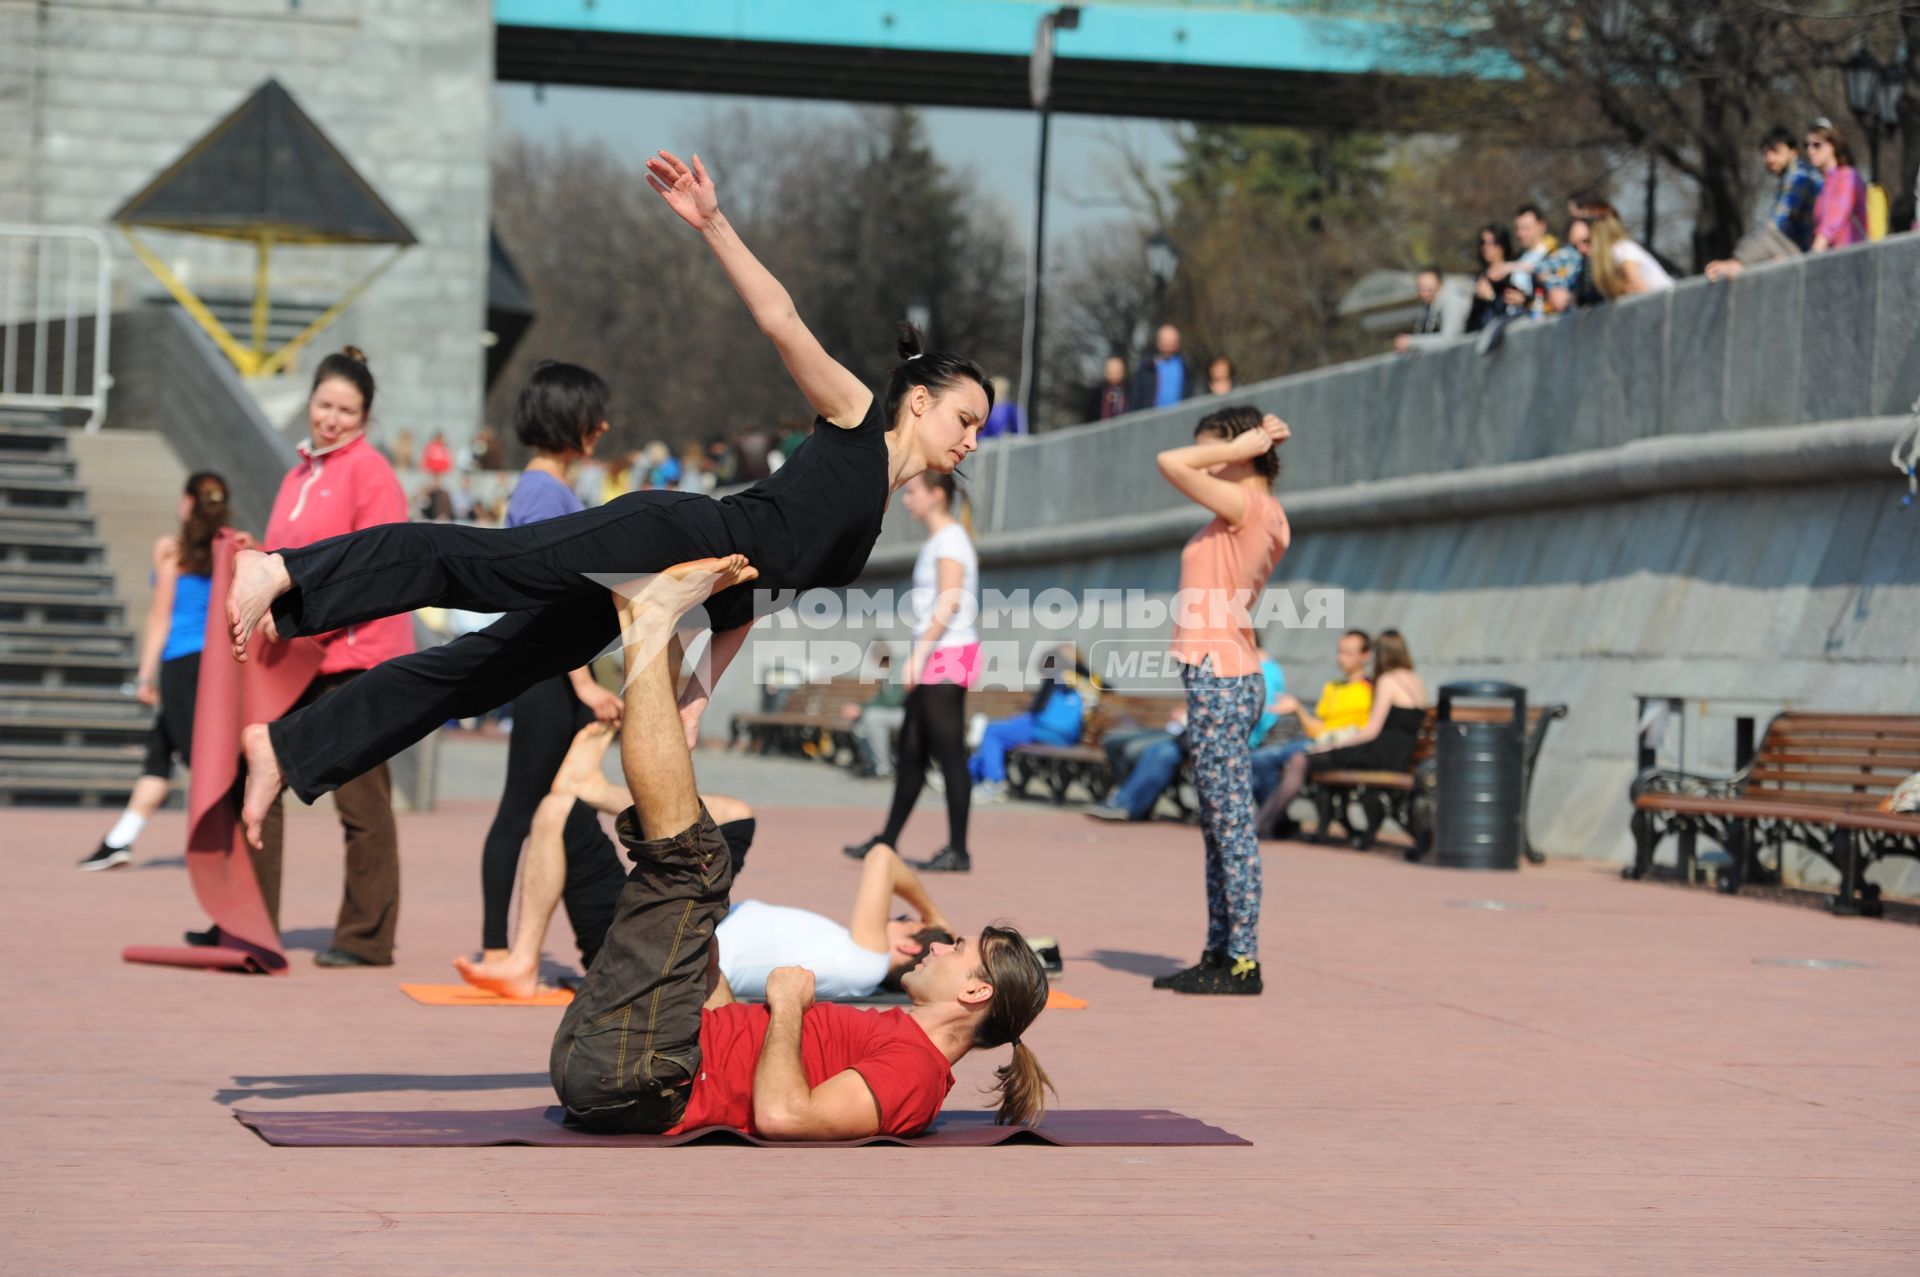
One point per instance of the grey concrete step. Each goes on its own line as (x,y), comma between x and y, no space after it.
(56,578)
(29,522)
(104,762)
(42,494)
(23,639)
(95,704)
(102,793)
(41,608)
(65,672)
(29,465)
(48,732)
(30,434)
(73,551)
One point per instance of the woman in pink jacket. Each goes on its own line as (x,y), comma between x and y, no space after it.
(343,484)
(1840,211)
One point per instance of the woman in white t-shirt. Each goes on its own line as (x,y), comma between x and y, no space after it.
(1621,267)
(946,656)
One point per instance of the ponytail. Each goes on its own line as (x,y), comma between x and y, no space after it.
(939,371)
(204,520)
(957,503)
(1022,1086)
(1019,981)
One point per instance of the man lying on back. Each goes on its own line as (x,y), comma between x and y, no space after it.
(636,1051)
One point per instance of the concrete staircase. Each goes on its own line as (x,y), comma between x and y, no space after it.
(70,732)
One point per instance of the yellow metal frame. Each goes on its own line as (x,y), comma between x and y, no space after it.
(255,360)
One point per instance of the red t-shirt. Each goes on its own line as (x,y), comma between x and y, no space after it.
(908,1075)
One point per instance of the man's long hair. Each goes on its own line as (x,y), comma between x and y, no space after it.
(1019,981)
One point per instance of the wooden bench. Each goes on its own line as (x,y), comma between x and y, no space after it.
(1817,781)
(1406,798)
(1059,767)
(811,720)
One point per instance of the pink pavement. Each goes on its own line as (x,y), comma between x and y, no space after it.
(1604,1083)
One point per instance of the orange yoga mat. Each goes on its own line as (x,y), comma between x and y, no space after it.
(218,864)
(465,995)
(1058,1001)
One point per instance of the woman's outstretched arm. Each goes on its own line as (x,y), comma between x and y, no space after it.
(836,394)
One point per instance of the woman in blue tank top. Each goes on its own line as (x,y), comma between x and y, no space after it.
(169,672)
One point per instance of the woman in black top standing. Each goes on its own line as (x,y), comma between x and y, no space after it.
(812,523)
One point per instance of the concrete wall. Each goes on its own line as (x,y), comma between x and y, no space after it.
(97,97)
(1685,494)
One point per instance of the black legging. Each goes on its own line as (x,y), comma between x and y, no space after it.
(935,727)
(545,718)
(558,617)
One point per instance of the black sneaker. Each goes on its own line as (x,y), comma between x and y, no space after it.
(859,850)
(948,860)
(1242,977)
(341,958)
(105,857)
(1209,959)
(1047,949)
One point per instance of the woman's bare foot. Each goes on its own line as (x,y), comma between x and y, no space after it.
(510,977)
(264,781)
(258,579)
(650,613)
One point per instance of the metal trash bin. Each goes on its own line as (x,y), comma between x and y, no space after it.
(1480,772)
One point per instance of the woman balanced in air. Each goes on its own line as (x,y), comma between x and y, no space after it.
(811,524)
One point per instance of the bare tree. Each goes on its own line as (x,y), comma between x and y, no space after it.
(619,284)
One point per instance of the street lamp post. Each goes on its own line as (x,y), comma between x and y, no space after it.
(1861,74)
(1040,82)
(1162,261)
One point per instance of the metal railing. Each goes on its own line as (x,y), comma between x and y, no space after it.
(56,297)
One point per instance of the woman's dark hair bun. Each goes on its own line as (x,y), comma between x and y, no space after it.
(354,353)
(939,371)
(910,343)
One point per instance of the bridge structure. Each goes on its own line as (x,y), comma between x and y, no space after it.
(1251,61)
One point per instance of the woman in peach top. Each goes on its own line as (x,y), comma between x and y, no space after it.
(1229,469)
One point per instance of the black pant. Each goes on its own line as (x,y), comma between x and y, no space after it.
(628,1048)
(172,734)
(560,618)
(545,718)
(935,727)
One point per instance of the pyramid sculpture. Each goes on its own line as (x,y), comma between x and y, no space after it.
(266,174)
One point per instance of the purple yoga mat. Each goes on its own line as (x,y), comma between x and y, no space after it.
(479,1128)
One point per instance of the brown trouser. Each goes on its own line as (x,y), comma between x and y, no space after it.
(370,903)
(628,1049)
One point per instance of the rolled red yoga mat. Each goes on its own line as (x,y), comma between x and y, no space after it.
(218,864)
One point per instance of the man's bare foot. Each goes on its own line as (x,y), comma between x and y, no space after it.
(493,955)
(509,977)
(264,781)
(258,579)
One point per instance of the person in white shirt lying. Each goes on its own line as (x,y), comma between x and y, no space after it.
(872,951)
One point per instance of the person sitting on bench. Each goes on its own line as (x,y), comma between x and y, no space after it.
(638,1051)
(870,953)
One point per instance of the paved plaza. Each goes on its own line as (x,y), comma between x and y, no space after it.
(1596,1077)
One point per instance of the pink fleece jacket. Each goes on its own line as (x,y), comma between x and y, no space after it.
(343,490)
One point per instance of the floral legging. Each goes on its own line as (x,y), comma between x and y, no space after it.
(1221,713)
